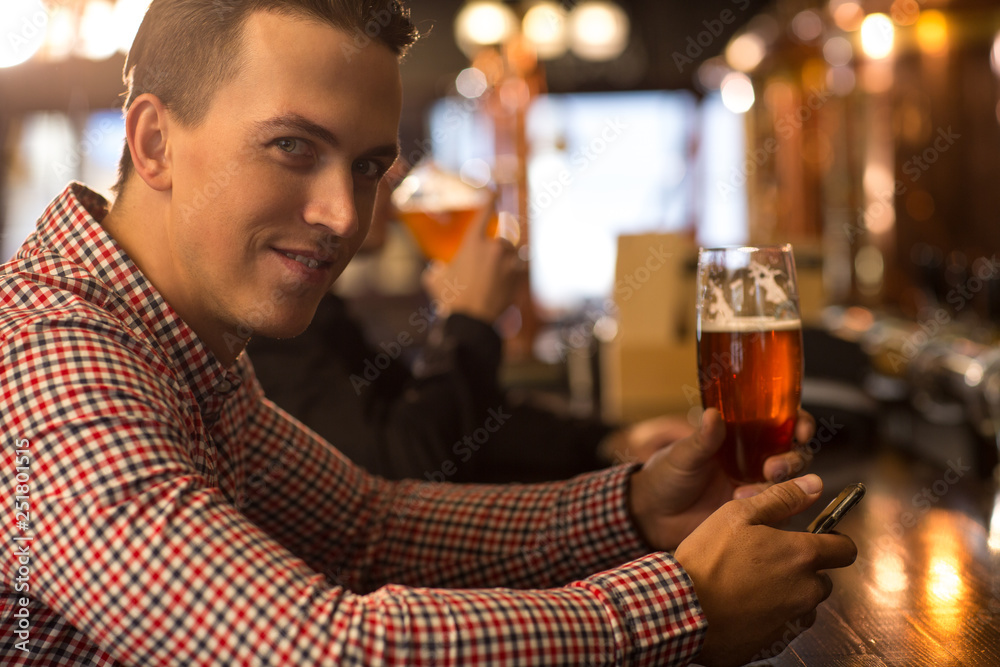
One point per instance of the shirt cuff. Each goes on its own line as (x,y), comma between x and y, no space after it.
(599,530)
(659,619)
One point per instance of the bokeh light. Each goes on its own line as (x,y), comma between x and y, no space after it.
(932,31)
(877,36)
(598,30)
(737,92)
(483,23)
(471,83)
(746,51)
(544,25)
(23,24)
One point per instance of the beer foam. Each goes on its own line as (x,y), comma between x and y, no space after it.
(750,324)
(429,188)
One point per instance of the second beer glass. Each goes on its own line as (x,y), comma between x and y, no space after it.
(438,207)
(750,352)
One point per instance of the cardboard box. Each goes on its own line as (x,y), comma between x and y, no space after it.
(650,367)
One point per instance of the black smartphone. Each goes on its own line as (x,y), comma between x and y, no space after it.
(837,509)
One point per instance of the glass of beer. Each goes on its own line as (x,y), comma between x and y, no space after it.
(437,207)
(750,352)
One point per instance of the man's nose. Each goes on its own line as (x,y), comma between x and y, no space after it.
(331,204)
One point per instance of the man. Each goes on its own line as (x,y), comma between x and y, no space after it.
(450,419)
(172,516)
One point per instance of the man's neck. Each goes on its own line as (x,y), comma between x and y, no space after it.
(136,222)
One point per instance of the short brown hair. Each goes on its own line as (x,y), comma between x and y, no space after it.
(186,49)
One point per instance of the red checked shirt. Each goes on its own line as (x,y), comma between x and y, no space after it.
(174,516)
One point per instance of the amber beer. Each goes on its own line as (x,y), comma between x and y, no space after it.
(438,208)
(440,233)
(750,370)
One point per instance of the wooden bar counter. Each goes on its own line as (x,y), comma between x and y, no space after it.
(926,587)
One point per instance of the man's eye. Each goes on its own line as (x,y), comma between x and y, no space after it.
(368,168)
(291,146)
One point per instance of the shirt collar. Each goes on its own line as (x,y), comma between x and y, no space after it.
(70,228)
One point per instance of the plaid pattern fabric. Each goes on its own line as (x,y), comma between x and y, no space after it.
(176,517)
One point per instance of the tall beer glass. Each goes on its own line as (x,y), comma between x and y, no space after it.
(438,207)
(750,352)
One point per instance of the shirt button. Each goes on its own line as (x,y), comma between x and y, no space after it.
(223,386)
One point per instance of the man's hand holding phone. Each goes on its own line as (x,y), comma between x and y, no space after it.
(837,509)
(755,581)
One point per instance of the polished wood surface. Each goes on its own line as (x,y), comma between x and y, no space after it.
(926,587)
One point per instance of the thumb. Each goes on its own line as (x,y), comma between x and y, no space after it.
(784,500)
(480,228)
(695,450)
(431,275)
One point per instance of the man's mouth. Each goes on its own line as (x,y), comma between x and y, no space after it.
(306,261)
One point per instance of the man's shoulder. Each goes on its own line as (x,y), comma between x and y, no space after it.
(49,288)
(51,298)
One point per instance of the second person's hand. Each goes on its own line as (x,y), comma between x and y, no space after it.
(480,280)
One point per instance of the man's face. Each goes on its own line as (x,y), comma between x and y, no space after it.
(272,193)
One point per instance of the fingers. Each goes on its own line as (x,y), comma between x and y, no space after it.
(777,469)
(805,428)
(748,490)
(480,228)
(784,500)
(834,551)
(783,466)
(695,451)
(432,273)
(825,585)
(780,467)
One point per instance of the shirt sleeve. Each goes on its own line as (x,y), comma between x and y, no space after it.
(138,550)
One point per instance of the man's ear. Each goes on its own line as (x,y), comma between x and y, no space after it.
(147,132)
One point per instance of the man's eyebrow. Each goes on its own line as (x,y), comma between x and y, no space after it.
(295,122)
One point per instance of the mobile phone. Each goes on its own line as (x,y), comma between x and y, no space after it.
(837,509)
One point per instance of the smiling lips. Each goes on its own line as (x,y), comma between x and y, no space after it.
(310,260)
(311,263)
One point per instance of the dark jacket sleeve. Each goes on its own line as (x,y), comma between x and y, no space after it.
(448,420)
(527,439)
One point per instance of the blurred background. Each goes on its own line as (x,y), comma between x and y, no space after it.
(623,135)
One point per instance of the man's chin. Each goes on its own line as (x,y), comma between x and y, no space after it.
(286,324)
(289,328)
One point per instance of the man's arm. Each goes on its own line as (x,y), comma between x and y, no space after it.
(370,531)
(138,547)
